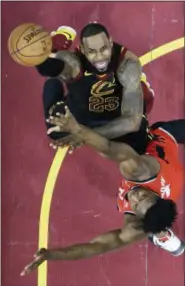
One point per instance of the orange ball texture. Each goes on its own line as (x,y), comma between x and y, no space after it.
(29,44)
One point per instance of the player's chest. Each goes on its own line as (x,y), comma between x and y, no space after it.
(99,93)
(95,85)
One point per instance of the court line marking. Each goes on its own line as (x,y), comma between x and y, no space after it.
(59,158)
(45,209)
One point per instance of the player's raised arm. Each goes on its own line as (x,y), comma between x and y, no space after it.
(118,152)
(115,151)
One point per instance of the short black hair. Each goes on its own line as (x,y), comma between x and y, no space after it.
(92,29)
(160,216)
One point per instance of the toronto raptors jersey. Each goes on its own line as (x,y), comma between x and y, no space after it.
(168,183)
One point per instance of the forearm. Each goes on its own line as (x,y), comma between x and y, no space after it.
(102,244)
(120,126)
(117,152)
(78,251)
(92,139)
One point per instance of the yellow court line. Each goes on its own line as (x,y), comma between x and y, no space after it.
(161,51)
(45,210)
(60,155)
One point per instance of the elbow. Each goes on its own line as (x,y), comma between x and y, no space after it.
(134,122)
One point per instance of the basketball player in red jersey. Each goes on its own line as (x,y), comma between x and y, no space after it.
(147,196)
(105,87)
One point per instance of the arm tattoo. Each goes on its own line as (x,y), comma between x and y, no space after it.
(129,75)
(72,64)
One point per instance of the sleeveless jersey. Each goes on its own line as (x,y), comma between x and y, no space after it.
(168,183)
(96,96)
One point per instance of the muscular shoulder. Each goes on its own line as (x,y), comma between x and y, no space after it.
(132,228)
(72,64)
(139,168)
(129,69)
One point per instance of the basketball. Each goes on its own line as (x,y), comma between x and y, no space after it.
(29,44)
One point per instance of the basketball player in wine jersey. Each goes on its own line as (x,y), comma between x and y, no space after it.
(106,89)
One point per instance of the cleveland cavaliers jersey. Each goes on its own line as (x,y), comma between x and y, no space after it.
(97,96)
(168,184)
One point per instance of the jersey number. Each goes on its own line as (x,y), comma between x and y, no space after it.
(99,104)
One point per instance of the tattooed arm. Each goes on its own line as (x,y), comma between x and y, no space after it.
(71,65)
(129,75)
(63,64)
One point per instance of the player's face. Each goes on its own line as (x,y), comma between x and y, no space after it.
(98,50)
(141,200)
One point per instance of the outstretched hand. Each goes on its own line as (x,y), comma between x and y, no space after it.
(62,122)
(39,258)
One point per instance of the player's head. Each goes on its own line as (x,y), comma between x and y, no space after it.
(156,213)
(96,45)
